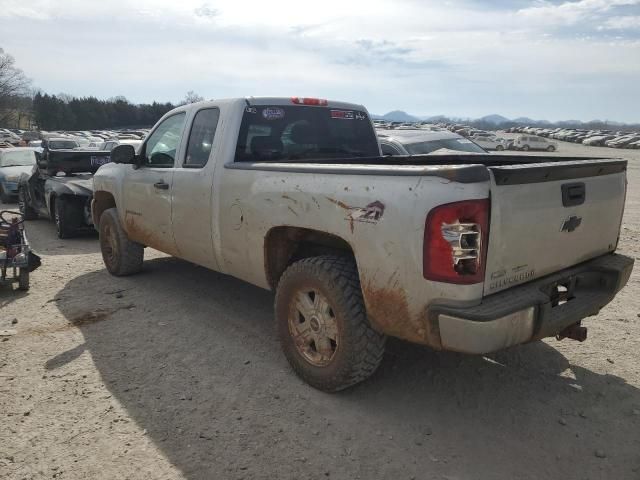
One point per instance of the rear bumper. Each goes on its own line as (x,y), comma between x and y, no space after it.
(532,311)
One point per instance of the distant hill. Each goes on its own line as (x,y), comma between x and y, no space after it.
(495,119)
(398,116)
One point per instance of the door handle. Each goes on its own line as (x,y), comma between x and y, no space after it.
(161,185)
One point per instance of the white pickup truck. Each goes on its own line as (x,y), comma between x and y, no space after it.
(471,252)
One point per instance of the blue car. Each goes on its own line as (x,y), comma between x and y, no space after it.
(14,162)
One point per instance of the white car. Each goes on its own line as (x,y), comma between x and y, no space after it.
(491,143)
(531,142)
(423,142)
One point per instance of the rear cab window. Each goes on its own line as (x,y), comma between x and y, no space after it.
(302,133)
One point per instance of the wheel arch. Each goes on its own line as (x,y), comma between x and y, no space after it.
(102,200)
(284,245)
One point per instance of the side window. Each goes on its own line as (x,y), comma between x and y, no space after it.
(160,150)
(388,149)
(203,131)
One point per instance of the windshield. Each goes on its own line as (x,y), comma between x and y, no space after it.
(62,145)
(460,144)
(286,133)
(18,158)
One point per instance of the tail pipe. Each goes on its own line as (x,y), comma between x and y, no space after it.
(574,332)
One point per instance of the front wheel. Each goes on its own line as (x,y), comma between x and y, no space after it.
(551,148)
(23,279)
(499,148)
(525,148)
(68,217)
(27,212)
(322,323)
(121,256)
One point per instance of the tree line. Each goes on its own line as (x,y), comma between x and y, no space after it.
(52,112)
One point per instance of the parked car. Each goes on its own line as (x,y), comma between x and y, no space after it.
(622,142)
(59,187)
(293,195)
(529,142)
(491,142)
(14,162)
(423,142)
(9,137)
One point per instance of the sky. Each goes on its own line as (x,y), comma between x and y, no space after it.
(553,60)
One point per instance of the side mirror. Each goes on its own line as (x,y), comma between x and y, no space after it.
(124,154)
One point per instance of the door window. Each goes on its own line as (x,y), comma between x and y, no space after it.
(160,149)
(388,149)
(203,131)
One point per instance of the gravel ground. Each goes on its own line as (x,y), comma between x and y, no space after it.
(176,374)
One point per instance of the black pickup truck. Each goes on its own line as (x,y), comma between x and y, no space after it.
(60,187)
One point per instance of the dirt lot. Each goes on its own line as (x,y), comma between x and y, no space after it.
(176,374)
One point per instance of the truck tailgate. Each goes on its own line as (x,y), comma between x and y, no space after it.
(549,216)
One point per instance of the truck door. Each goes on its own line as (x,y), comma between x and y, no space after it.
(192,190)
(147,190)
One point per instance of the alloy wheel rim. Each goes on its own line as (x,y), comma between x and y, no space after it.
(313,327)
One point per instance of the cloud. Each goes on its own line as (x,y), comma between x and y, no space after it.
(622,23)
(570,13)
(466,58)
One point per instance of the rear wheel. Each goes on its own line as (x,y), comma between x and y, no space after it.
(121,256)
(322,323)
(23,279)
(499,148)
(525,148)
(68,216)
(27,212)
(551,148)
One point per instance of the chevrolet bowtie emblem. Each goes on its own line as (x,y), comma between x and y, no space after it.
(571,223)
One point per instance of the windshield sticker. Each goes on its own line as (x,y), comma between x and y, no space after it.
(342,114)
(272,113)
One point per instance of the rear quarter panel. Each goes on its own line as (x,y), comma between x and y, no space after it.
(387,245)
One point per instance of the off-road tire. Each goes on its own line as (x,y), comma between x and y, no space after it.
(551,148)
(27,211)
(360,348)
(121,256)
(23,279)
(68,217)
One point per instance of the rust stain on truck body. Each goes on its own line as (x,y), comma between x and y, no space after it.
(388,312)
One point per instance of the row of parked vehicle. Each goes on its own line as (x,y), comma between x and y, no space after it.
(596,138)
(88,139)
(487,140)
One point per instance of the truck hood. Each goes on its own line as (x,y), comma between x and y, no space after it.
(15,171)
(78,184)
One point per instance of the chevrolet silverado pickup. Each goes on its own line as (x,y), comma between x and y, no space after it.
(466,252)
(59,186)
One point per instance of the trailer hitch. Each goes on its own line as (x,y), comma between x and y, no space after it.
(574,332)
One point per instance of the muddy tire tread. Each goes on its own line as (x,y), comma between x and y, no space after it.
(339,273)
(131,254)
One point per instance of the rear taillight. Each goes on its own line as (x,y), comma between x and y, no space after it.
(455,242)
(310,101)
